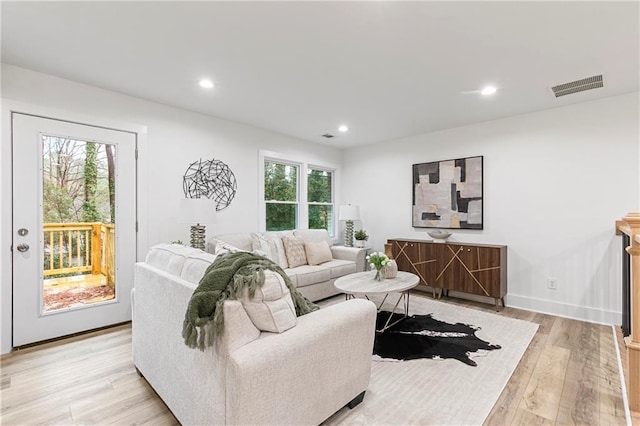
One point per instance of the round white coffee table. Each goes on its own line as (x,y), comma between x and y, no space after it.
(363,284)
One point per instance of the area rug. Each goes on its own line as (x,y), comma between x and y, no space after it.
(423,336)
(441,391)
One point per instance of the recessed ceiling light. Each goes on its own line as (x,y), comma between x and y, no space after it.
(207,84)
(343,128)
(488,90)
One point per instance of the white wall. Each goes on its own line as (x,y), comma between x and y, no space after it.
(555,181)
(175,138)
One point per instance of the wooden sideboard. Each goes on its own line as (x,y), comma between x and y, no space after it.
(470,268)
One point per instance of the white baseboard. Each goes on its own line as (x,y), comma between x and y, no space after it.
(550,307)
(566,310)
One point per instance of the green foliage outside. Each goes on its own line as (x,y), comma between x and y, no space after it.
(280,193)
(90,208)
(65,164)
(78,186)
(319,190)
(280,184)
(58,203)
(281,217)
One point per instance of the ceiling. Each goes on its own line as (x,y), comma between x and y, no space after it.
(385,69)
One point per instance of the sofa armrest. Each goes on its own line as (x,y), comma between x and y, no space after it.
(238,328)
(308,372)
(354,254)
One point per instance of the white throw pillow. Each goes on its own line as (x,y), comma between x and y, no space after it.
(271,308)
(220,247)
(294,249)
(276,237)
(265,245)
(317,253)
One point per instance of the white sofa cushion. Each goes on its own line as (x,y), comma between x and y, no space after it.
(294,249)
(314,235)
(317,253)
(195,265)
(169,257)
(240,240)
(306,275)
(271,308)
(340,268)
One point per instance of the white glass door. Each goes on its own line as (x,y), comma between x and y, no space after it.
(74,237)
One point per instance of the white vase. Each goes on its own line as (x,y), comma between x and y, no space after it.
(359,243)
(390,270)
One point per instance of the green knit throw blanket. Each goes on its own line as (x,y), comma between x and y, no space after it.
(226,278)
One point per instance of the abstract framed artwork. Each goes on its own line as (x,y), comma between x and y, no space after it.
(448,194)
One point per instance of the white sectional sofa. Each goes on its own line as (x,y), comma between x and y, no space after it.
(315,282)
(300,376)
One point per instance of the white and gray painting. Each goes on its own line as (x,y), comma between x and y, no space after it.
(448,194)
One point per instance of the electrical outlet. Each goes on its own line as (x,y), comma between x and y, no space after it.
(552,283)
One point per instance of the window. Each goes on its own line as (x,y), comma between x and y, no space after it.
(297,194)
(281,195)
(320,199)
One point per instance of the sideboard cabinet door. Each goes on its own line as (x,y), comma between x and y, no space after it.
(470,268)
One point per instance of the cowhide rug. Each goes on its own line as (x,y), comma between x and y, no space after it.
(422,336)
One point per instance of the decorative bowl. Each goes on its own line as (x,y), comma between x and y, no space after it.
(438,234)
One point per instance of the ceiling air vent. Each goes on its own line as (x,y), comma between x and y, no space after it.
(327,135)
(578,86)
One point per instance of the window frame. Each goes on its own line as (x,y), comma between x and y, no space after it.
(310,167)
(302,190)
(296,203)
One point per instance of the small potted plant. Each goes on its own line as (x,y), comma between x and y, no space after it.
(360,236)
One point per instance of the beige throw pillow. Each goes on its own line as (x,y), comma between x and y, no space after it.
(294,249)
(271,308)
(317,253)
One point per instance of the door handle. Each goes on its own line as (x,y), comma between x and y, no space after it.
(22,247)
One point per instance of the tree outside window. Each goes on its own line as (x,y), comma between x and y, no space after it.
(298,195)
(320,199)
(281,195)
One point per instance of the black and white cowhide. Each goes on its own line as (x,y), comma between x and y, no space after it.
(422,336)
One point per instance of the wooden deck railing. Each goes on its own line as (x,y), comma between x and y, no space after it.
(630,225)
(75,248)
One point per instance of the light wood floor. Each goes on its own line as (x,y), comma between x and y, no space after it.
(568,375)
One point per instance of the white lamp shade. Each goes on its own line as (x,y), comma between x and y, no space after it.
(349,213)
(197,210)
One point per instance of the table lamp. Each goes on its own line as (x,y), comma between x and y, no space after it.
(349,213)
(198,211)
